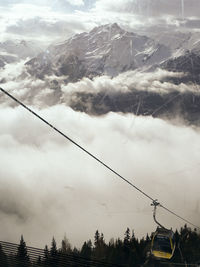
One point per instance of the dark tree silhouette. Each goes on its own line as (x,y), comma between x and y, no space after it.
(3,258)
(46,256)
(86,250)
(53,253)
(99,246)
(22,257)
(65,246)
(129,252)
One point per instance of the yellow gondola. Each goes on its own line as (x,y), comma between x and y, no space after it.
(163,242)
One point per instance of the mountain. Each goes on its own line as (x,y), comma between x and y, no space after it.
(187,63)
(171,105)
(110,50)
(6,58)
(107,49)
(175,40)
(16,50)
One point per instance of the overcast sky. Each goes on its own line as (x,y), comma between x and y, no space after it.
(58,19)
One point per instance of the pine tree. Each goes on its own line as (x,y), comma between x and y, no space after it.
(53,250)
(66,246)
(86,250)
(53,253)
(96,239)
(126,246)
(127,237)
(46,256)
(3,258)
(99,246)
(22,254)
(39,262)
(65,250)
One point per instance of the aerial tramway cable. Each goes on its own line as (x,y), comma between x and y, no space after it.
(154,201)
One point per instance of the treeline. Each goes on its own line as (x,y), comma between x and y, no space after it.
(128,251)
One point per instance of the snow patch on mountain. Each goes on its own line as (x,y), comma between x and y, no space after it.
(107,49)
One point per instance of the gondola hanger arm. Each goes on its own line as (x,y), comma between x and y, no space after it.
(155,203)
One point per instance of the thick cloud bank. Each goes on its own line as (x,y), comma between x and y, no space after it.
(158,93)
(49,187)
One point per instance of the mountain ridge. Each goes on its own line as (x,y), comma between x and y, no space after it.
(105,50)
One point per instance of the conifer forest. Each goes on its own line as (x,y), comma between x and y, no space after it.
(129,251)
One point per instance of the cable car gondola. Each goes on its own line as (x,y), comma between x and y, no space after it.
(163,242)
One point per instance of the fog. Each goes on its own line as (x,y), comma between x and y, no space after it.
(45,92)
(129,81)
(49,187)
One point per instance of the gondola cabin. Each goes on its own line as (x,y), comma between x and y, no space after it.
(163,244)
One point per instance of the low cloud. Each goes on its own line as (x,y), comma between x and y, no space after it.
(128,81)
(142,93)
(49,187)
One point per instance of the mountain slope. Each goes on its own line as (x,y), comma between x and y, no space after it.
(188,63)
(110,50)
(16,50)
(106,50)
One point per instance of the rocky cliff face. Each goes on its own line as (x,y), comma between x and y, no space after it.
(106,50)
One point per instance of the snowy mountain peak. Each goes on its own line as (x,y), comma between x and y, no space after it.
(101,33)
(108,28)
(106,49)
